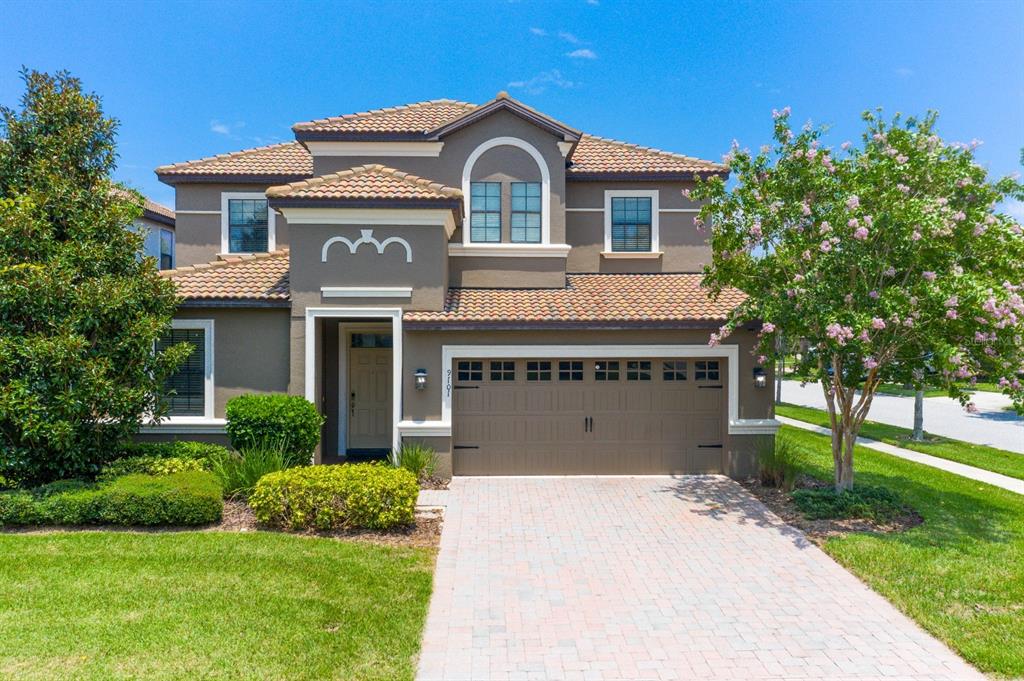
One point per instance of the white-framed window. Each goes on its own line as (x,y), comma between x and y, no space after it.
(526,212)
(246,223)
(631,221)
(189,391)
(485,212)
(166,249)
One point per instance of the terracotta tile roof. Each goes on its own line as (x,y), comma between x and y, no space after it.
(593,298)
(257,277)
(289,160)
(369,182)
(158,208)
(597,155)
(420,117)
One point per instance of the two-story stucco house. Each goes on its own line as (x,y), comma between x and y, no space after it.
(521,296)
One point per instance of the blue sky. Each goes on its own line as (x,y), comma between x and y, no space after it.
(192,79)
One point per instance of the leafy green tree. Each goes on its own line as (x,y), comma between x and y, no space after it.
(79,310)
(887,258)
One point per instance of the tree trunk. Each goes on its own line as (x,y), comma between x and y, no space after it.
(843,441)
(778,380)
(918,435)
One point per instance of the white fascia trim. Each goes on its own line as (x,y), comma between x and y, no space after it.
(197,212)
(754,427)
(565,148)
(426,149)
(424,429)
(392,313)
(225,218)
(186,424)
(610,194)
(545,190)
(660,210)
(371,216)
(510,250)
(584,210)
(208,349)
(366,291)
(731,353)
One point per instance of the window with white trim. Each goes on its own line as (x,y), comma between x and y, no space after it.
(485,212)
(526,212)
(631,221)
(188,392)
(166,256)
(247,223)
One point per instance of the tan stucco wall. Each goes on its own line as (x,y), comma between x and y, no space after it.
(427,274)
(198,236)
(250,351)
(685,248)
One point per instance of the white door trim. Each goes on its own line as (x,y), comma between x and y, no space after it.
(394,314)
(730,352)
(344,327)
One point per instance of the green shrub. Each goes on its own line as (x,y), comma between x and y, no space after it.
(186,498)
(289,419)
(151,465)
(361,495)
(178,449)
(239,472)
(777,465)
(419,460)
(862,502)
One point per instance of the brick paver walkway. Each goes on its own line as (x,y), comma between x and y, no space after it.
(651,578)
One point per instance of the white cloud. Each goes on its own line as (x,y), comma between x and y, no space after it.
(227,129)
(538,31)
(904,72)
(543,81)
(568,37)
(593,2)
(582,53)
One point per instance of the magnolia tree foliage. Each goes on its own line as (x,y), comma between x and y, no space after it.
(888,259)
(79,310)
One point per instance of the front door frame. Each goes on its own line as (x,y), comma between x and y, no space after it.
(380,314)
(345,329)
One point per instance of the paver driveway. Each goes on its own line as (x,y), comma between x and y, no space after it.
(651,578)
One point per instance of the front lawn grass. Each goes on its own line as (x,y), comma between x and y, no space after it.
(894,389)
(960,574)
(979,456)
(257,605)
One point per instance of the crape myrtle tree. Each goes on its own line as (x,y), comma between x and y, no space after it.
(888,259)
(79,310)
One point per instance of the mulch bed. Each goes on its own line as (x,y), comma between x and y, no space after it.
(424,532)
(819,531)
(434,483)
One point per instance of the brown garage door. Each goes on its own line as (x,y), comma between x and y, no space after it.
(588,416)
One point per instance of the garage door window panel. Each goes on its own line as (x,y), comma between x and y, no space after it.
(570,370)
(606,371)
(471,371)
(503,371)
(706,371)
(674,370)
(638,370)
(538,371)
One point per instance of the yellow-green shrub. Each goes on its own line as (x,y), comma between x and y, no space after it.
(371,496)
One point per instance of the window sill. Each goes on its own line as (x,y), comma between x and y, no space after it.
(632,255)
(510,250)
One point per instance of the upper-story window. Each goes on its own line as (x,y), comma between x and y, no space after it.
(485,209)
(526,212)
(631,221)
(159,244)
(247,223)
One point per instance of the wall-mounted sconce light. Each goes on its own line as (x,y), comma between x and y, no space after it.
(421,378)
(760,379)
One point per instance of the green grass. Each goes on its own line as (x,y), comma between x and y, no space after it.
(960,574)
(893,389)
(257,605)
(979,456)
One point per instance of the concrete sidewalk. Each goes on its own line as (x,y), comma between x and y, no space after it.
(979,474)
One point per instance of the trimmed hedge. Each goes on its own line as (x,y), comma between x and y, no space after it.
(365,495)
(178,449)
(186,498)
(289,421)
(151,465)
(863,501)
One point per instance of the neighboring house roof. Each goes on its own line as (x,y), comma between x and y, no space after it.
(368,183)
(261,277)
(157,212)
(591,158)
(274,163)
(587,299)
